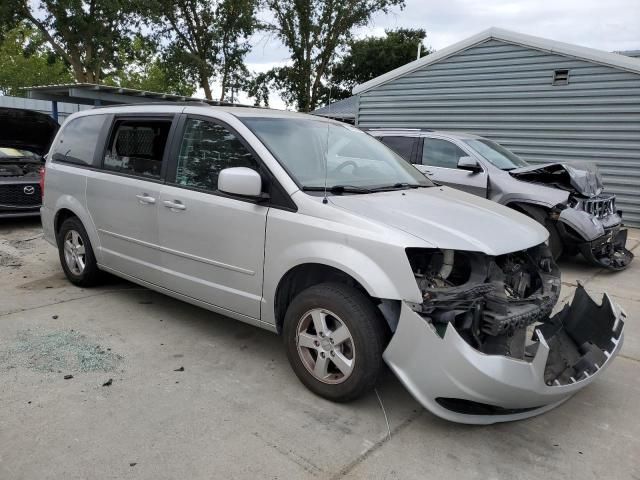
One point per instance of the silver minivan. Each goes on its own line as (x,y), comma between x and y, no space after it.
(318,232)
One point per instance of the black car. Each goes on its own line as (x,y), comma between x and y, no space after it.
(25,137)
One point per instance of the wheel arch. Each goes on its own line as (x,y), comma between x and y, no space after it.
(68,206)
(303,276)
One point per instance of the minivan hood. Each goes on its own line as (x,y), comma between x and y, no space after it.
(26,130)
(448,218)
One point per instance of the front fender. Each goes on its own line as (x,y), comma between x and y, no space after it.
(382,269)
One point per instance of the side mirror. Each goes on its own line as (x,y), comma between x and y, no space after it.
(240,181)
(470,164)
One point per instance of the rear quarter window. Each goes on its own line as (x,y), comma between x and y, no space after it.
(78,139)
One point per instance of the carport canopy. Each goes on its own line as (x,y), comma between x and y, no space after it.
(97,95)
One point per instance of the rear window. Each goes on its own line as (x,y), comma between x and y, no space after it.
(136,147)
(78,139)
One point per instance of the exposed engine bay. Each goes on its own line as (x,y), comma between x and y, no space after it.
(28,169)
(501,305)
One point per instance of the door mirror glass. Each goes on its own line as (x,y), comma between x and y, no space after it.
(469,163)
(240,181)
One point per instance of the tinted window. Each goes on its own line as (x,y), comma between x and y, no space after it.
(441,153)
(206,149)
(78,139)
(403,146)
(137,147)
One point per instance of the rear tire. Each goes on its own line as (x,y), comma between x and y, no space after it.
(76,254)
(342,361)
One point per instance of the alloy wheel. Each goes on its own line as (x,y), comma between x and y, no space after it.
(325,346)
(74,252)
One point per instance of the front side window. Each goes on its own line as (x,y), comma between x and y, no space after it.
(78,139)
(317,151)
(137,147)
(496,154)
(205,150)
(441,153)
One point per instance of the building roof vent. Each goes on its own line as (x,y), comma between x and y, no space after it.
(561,77)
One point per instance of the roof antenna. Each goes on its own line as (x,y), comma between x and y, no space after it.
(326,156)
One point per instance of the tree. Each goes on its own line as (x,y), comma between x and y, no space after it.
(371,57)
(153,68)
(314,31)
(26,61)
(209,36)
(87,34)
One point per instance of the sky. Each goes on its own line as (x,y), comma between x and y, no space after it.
(609,25)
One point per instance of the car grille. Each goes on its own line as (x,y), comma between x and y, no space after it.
(600,206)
(15,196)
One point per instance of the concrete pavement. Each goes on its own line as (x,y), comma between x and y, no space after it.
(237,410)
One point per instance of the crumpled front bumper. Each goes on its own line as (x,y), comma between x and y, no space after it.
(456,382)
(602,240)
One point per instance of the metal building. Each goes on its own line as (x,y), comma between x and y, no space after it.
(547,101)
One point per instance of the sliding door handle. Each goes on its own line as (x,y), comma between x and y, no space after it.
(146,199)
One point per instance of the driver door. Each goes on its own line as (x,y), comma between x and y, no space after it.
(212,243)
(439,162)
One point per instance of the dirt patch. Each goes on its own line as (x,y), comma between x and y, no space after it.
(57,280)
(8,260)
(58,351)
(26,243)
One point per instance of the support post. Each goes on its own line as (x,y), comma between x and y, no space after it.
(54,109)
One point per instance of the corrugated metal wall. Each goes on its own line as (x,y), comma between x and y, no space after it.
(504,92)
(64,109)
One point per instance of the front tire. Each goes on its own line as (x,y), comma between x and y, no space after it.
(334,337)
(76,254)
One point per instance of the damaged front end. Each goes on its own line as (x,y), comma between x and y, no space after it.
(589,221)
(482,346)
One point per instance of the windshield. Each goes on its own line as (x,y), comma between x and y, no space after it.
(496,154)
(311,150)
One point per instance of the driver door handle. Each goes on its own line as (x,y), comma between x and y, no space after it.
(174,205)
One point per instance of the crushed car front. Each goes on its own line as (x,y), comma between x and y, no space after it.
(586,217)
(483,346)
(589,218)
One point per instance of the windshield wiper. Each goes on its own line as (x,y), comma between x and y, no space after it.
(338,189)
(397,186)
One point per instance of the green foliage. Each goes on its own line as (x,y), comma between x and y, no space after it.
(25,61)
(151,68)
(89,35)
(371,57)
(314,31)
(208,37)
